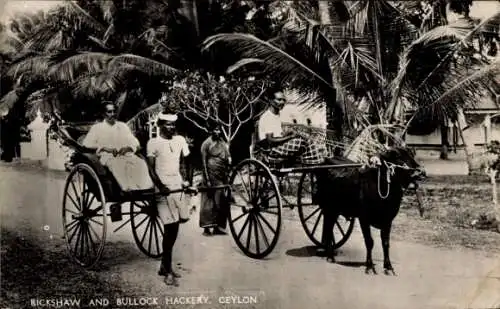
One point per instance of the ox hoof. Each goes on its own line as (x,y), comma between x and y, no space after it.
(330,260)
(370,269)
(389,272)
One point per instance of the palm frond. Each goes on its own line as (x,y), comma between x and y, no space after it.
(135,122)
(32,65)
(478,81)
(103,83)
(10,43)
(146,65)
(428,61)
(242,62)
(84,16)
(81,63)
(495,19)
(278,61)
(460,90)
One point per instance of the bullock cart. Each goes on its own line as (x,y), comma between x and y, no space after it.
(257,192)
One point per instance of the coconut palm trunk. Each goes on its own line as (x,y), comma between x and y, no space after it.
(334,107)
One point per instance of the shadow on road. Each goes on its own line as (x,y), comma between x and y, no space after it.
(351,264)
(307,251)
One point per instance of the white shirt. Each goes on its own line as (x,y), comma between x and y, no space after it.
(269,123)
(167,154)
(103,134)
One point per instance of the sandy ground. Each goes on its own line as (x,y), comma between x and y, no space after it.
(291,277)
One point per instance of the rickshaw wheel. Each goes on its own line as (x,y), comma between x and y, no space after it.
(254,196)
(311,214)
(84,215)
(147,228)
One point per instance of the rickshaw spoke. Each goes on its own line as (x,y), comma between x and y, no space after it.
(151,228)
(243,227)
(91,200)
(249,235)
(76,230)
(245,187)
(263,232)
(76,193)
(73,201)
(267,198)
(85,194)
(266,222)
(95,221)
(144,235)
(92,240)
(159,221)
(269,212)
(245,199)
(78,239)
(80,182)
(255,188)
(317,223)
(250,187)
(312,214)
(257,245)
(71,225)
(239,217)
(143,220)
(85,241)
(239,205)
(156,235)
(96,234)
(340,228)
(73,212)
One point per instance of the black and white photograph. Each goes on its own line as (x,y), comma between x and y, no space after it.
(221,154)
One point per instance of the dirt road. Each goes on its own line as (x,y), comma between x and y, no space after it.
(291,277)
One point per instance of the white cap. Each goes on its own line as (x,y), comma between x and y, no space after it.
(167,117)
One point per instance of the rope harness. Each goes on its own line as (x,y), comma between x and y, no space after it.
(391,170)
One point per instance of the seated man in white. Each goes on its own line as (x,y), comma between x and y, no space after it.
(116,146)
(282,146)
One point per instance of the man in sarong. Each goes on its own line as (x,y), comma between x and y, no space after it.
(164,155)
(216,163)
(285,146)
(116,146)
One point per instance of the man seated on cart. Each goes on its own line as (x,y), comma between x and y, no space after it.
(116,146)
(278,146)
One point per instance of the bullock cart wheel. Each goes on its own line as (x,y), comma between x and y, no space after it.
(147,227)
(254,208)
(311,215)
(84,215)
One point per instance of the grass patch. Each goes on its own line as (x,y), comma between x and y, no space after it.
(30,271)
(455,207)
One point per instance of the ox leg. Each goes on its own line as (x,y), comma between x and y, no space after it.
(328,238)
(367,236)
(385,235)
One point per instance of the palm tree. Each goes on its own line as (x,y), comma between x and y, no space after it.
(366,59)
(342,57)
(86,56)
(113,49)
